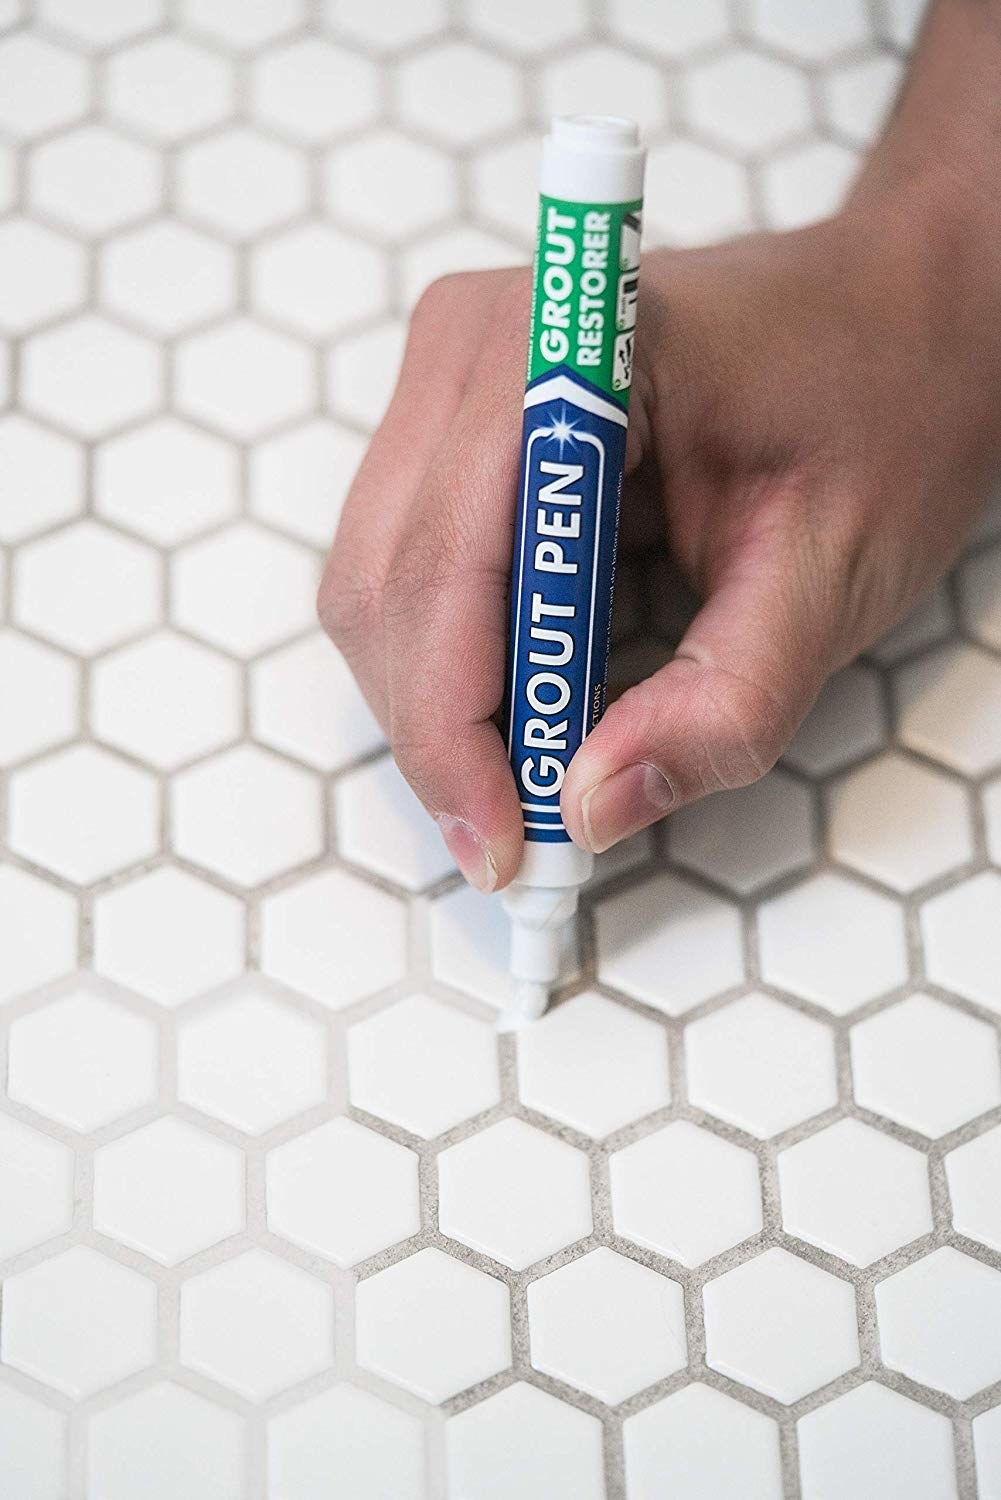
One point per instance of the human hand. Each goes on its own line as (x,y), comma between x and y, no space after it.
(812,419)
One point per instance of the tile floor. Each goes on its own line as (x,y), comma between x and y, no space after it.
(281,1216)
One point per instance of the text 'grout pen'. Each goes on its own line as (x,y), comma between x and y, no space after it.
(572,457)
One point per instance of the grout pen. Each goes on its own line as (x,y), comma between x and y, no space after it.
(573,448)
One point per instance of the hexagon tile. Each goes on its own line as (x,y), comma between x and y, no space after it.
(281,1215)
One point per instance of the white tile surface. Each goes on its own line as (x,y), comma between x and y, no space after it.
(874,1441)
(925,1065)
(780,1325)
(432,1325)
(514,1193)
(704,1445)
(342,1192)
(685,1193)
(760,1065)
(940,1322)
(216,214)
(607,1325)
(854,1192)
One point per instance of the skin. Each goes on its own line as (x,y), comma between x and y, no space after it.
(814,419)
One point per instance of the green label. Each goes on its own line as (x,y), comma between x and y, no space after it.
(584,292)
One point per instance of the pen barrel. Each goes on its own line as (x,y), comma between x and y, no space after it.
(573,445)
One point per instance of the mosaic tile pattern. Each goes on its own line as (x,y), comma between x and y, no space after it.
(280,1214)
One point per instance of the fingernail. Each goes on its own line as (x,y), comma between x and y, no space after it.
(623,803)
(469,852)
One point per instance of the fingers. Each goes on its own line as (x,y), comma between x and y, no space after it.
(718,715)
(445,616)
(446,333)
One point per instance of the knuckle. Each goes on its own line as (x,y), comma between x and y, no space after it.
(752,730)
(440,296)
(348,604)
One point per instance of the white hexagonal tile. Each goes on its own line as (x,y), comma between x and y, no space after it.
(241,182)
(168,935)
(525,1442)
(873,1441)
(361,372)
(104,24)
(685,1193)
(41,86)
(520,26)
(243,23)
(854,1192)
(702,1443)
(987,1444)
(163,1442)
(334,937)
(312,90)
(503,186)
(745,839)
(949,707)
(925,1065)
(169,1190)
(165,480)
(592,1064)
(90,376)
(858,96)
(514,1193)
(746,102)
(86,588)
(940,1322)
(165,700)
(382,826)
(375,1449)
(317,280)
(256,1324)
(696,195)
(624,84)
(846,722)
(42,478)
(83,813)
(167,277)
(299,479)
(807,183)
(607,1325)
(94,180)
(45,686)
(32,1446)
(385,25)
(812,33)
(432,1325)
(780,1325)
(389,185)
(453,250)
(470,945)
(458,93)
(760,1065)
(78,1322)
(802,942)
(38,931)
(250,1060)
(305,701)
(343,1192)
(974,1175)
(243,589)
(36,1189)
(637,929)
(673,28)
(169,88)
(899,822)
(43,275)
(991,799)
(422,1065)
(82,1060)
(247,815)
(243,379)
(962,939)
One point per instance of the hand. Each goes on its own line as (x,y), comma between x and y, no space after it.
(813,416)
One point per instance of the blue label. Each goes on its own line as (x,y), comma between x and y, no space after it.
(572,455)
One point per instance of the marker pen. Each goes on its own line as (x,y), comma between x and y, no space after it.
(573,447)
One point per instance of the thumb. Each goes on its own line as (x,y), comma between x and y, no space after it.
(717,716)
